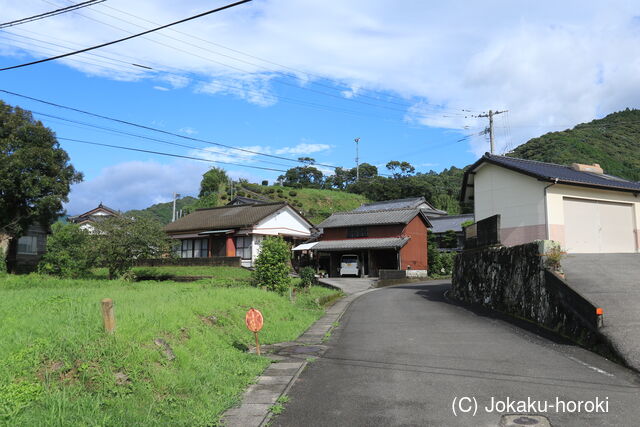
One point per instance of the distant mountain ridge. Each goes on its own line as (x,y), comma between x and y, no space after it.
(613,142)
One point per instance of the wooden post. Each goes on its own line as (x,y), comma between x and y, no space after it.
(108,316)
(257,344)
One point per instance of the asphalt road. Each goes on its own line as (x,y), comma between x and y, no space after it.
(402,354)
(612,282)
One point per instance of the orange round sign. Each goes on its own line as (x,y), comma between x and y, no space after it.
(254,320)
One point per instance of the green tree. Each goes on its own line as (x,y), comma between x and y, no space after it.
(69,252)
(120,241)
(446,202)
(210,185)
(273,265)
(302,177)
(399,169)
(35,174)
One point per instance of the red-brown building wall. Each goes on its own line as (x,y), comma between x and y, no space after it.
(414,253)
(373,231)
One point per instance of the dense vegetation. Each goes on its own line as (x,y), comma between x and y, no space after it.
(58,367)
(162,212)
(613,142)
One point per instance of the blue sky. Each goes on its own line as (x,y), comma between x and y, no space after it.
(401,79)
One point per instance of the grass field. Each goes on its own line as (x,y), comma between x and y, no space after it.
(58,367)
(221,274)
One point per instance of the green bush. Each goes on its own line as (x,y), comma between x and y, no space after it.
(280,191)
(271,190)
(307,277)
(265,182)
(293,193)
(69,252)
(273,265)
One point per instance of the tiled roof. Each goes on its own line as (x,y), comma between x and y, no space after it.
(552,172)
(408,203)
(451,222)
(382,217)
(379,243)
(234,216)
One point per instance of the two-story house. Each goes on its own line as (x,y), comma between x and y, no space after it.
(394,239)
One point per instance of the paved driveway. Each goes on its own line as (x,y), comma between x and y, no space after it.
(349,285)
(402,354)
(611,281)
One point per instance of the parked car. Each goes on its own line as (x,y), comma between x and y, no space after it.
(350,265)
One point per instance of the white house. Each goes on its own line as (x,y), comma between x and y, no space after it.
(580,206)
(237,230)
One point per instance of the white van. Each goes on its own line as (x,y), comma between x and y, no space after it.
(349,265)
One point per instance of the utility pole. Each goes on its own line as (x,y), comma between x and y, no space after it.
(175,196)
(490,115)
(357,140)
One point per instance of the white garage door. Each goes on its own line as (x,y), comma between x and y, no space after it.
(593,226)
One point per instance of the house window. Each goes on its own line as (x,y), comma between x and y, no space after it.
(28,245)
(357,232)
(195,248)
(243,247)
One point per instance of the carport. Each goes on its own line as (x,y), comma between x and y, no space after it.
(374,254)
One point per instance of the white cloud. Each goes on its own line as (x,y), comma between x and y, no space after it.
(551,64)
(136,185)
(161,88)
(304,148)
(188,130)
(253,89)
(139,184)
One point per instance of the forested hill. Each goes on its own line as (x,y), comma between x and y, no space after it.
(613,142)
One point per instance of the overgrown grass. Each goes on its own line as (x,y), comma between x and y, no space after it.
(58,367)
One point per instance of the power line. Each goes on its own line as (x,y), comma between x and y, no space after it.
(160,153)
(129,37)
(156,129)
(250,91)
(243,70)
(297,70)
(116,131)
(50,13)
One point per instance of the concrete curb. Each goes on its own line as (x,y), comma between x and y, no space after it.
(279,377)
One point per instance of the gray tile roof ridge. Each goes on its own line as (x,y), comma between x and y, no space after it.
(241,206)
(375,211)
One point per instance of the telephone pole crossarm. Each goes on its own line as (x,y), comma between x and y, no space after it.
(490,115)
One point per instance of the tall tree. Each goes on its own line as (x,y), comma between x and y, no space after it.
(35,173)
(212,181)
(302,177)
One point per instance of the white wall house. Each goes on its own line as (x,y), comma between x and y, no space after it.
(88,219)
(580,206)
(237,230)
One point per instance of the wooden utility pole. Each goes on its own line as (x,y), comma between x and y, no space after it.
(490,115)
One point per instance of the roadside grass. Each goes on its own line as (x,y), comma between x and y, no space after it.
(58,367)
(166,272)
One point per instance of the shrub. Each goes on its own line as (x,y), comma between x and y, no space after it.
(265,182)
(69,252)
(280,191)
(307,276)
(121,240)
(3,263)
(271,190)
(272,265)
(293,193)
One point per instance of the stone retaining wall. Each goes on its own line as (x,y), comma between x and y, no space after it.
(514,281)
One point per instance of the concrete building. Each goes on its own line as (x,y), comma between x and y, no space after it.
(580,206)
